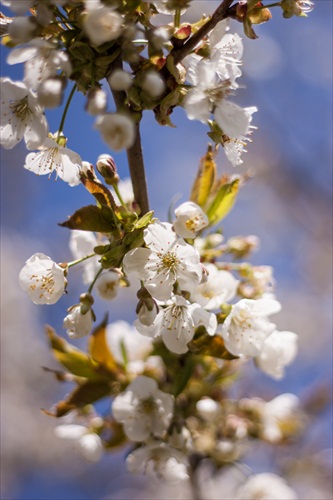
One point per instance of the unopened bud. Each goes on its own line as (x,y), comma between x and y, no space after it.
(96,102)
(107,167)
(120,80)
(51,91)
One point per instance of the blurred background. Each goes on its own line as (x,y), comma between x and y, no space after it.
(287,74)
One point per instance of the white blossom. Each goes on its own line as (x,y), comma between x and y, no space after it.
(279,350)
(18,6)
(143,409)
(277,415)
(21,116)
(207,408)
(220,287)
(22,29)
(50,92)
(190,218)
(247,326)
(153,84)
(157,459)
(88,443)
(42,279)
(117,130)
(76,323)
(102,24)
(120,80)
(127,345)
(53,156)
(82,244)
(167,259)
(42,60)
(176,324)
(107,284)
(96,102)
(266,486)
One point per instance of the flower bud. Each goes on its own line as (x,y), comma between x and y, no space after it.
(107,167)
(51,91)
(120,80)
(153,84)
(147,307)
(96,102)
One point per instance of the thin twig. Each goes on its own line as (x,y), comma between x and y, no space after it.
(220,13)
(134,153)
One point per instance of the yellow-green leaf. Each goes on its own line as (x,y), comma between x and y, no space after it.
(204,179)
(223,201)
(99,349)
(76,361)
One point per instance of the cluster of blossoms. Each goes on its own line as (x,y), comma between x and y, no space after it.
(202,310)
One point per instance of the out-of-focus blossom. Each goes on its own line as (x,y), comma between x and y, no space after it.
(279,415)
(159,460)
(96,102)
(107,284)
(120,80)
(82,244)
(207,408)
(102,24)
(247,326)
(51,92)
(117,130)
(22,29)
(143,409)
(265,486)
(42,60)
(279,350)
(42,279)
(88,443)
(153,84)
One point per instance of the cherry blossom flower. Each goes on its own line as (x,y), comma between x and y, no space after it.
(102,24)
(43,279)
(125,188)
(190,218)
(159,460)
(278,415)
(120,80)
(247,326)
(220,287)
(96,102)
(42,60)
(21,116)
(279,350)
(50,92)
(22,29)
(208,96)
(207,408)
(53,156)
(176,324)
(265,486)
(107,284)
(78,323)
(166,260)
(143,409)
(153,84)
(117,130)
(88,443)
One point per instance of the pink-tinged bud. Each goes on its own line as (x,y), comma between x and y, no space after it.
(96,102)
(107,167)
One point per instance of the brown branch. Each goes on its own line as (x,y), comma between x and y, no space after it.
(220,13)
(134,153)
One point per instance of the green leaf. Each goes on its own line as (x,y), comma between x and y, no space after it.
(74,360)
(82,395)
(144,220)
(92,218)
(99,349)
(223,201)
(183,375)
(113,257)
(204,179)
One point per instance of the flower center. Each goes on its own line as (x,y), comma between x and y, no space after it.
(170,261)
(44,283)
(148,405)
(21,108)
